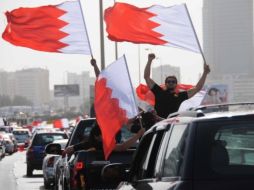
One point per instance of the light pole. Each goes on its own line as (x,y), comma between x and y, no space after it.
(102,35)
(139,63)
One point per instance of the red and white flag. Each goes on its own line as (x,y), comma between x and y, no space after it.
(114,102)
(158,25)
(61,123)
(53,28)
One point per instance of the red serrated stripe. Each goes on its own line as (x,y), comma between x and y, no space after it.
(129,23)
(37,28)
(110,116)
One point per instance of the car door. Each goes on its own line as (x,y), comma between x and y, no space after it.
(143,167)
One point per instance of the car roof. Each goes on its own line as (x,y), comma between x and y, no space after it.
(190,116)
(49,132)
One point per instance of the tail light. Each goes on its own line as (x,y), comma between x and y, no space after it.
(75,177)
(50,162)
(79,166)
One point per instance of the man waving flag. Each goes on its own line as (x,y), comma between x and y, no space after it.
(158,25)
(53,28)
(114,102)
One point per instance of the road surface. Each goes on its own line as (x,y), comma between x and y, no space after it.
(13,174)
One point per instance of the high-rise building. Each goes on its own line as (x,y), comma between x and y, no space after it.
(3,82)
(33,84)
(160,73)
(228,36)
(228,43)
(84,81)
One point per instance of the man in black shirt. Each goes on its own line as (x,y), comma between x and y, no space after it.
(167,100)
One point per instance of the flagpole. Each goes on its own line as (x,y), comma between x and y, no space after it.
(85,27)
(102,36)
(130,80)
(116,46)
(196,36)
(132,88)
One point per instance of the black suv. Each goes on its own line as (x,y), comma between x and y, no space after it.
(202,152)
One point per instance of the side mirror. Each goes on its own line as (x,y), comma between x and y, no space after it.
(114,173)
(53,148)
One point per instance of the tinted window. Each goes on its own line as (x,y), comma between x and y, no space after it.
(82,131)
(175,151)
(238,141)
(44,139)
(140,156)
(225,149)
(20,132)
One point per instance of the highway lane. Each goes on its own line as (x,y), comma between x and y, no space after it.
(13,174)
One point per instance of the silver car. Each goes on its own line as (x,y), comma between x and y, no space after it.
(48,165)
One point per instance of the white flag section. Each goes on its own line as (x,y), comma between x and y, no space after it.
(77,40)
(175,27)
(193,102)
(118,80)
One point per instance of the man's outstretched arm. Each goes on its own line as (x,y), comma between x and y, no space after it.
(95,67)
(150,83)
(200,83)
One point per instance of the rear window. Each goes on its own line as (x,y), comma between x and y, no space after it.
(20,132)
(44,139)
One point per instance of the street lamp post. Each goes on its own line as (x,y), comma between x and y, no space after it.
(102,36)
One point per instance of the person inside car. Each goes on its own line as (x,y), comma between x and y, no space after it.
(95,142)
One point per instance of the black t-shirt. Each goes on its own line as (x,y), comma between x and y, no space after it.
(167,102)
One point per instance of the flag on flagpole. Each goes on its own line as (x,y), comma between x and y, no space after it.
(114,102)
(158,25)
(53,28)
(145,94)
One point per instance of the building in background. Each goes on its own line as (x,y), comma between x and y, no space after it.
(83,101)
(228,45)
(32,84)
(160,73)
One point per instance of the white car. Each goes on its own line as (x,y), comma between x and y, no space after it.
(48,165)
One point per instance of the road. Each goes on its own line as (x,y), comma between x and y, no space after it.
(13,174)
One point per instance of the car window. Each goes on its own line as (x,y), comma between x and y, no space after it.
(225,149)
(20,132)
(82,131)
(173,159)
(146,165)
(140,156)
(238,142)
(44,139)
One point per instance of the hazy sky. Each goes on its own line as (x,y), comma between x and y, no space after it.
(15,58)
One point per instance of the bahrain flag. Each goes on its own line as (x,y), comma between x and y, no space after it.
(114,102)
(52,28)
(158,25)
